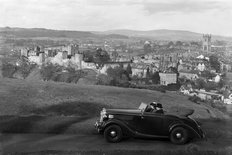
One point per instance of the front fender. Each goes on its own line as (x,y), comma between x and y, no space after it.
(189,128)
(125,129)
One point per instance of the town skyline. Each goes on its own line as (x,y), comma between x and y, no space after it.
(208,16)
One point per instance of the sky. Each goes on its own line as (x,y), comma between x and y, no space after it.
(202,16)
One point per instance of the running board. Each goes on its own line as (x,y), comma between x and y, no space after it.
(137,134)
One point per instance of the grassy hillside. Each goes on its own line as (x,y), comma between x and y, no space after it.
(24,97)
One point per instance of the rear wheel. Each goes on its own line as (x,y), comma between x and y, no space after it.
(113,133)
(179,135)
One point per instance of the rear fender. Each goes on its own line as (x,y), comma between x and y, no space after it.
(125,129)
(193,132)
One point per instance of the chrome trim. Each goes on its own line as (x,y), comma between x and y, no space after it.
(178,135)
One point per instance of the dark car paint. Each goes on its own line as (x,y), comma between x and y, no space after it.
(136,123)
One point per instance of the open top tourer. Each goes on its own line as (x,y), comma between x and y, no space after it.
(146,123)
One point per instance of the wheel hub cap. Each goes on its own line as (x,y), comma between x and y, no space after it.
(178,135)
(113,133)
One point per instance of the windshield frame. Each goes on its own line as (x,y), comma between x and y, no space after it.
(143,106)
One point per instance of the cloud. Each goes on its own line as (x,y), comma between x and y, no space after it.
(112,2)
(212,16)
(184,6)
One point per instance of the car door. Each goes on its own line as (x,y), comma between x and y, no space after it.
(129,119)
(150,123)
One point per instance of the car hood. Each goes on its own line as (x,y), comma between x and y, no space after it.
(123,111)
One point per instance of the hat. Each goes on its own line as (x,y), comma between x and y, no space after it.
(159,105)
(153,104)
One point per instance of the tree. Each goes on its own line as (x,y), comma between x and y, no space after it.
(173,69)
(195,43)
(49,71)
(88,56)
(118,75)
(211,86)
(100,58)
(56,73)
(221,83)
(121,65)
(129,69)
(25,67)
(155,78)
(179,43)
(207,74)
(123,81)
(103,79)
(8,70)
(148,73)
(114,55)
(214,62)
(200,83)
(182,80)
(170,44)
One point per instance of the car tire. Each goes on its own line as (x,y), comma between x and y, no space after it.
(179,135)
(113,134)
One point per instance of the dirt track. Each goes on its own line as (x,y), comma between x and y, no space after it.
(87,141)
(95,144)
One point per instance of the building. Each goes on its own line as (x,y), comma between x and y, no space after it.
(228,79)
(225,67)
(204,95)
(24,52)
(186,67)
(186,90)
(191,75)
(168,60)
(71,49)
(107,65)
(139,69)
(168,78)
(201,67)
(206,43)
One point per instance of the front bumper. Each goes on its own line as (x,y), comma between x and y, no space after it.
(99,126)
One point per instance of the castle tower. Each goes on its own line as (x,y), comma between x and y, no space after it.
(206,43)
(41,57)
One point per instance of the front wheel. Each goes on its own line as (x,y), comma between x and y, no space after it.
(179,135)
(113,133)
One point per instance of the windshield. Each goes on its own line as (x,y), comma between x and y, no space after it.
(142,106)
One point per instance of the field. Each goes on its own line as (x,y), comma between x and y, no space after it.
(19,97)
(48,108)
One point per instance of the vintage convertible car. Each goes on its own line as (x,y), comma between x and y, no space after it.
(118,123)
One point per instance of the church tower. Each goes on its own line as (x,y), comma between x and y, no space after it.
(206,42)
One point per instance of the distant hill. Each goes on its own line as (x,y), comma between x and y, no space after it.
(41,32)
(164,34)
(116,36)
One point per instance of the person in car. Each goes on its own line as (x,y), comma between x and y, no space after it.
(151,107)
(156,108)
(159,108)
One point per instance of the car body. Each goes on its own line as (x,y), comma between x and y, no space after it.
(118,123)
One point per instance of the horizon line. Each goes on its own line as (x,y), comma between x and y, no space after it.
(115,29)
